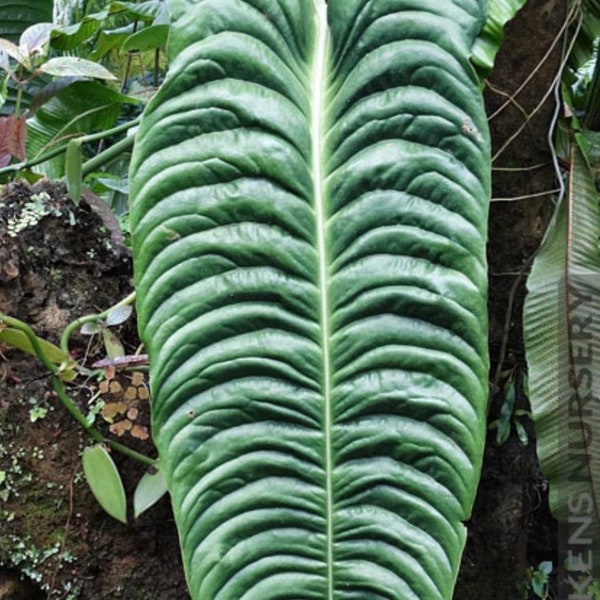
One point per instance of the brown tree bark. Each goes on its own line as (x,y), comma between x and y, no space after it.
(511,528)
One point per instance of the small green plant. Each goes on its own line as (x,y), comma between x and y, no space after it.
(509,417)
(28,558)
(12,477)
(24,62)
(538,578)
(115,316)
(105,482)
(63,112)
(39,409)
(100,471)
(37,412)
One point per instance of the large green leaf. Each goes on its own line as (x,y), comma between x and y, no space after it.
(82,107)
(586,30)
(309,219)
(489,41)
(562,333)
(17,15)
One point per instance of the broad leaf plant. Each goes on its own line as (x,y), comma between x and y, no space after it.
(309,199)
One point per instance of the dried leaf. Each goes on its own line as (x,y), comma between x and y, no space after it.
(6,126)
(12,138)
(18,137)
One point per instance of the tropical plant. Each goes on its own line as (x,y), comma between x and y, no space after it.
(51,104)
(538,579)
(309,202)
(24,62)
(561,315)
(100,470)
(561,310)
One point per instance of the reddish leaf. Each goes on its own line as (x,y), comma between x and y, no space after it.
(12,138)
(6,127)
(17,138)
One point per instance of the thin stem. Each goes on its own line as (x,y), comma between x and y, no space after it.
(92,137)
(128,63)
(84,139)
(73,409)
(33,340)
(519,169)
(538,107)
(65,399)
(142,458)
(77,323)
(156,67)
(107,155)
(548,53)
(508,320)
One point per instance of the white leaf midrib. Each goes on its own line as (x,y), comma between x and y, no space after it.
(318,94)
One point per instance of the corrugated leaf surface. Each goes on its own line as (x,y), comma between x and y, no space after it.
(309,220)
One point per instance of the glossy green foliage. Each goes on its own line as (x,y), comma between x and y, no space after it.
(17,15)
(82,106)
(499,13)
(309,219)
(150,489)
(105,482)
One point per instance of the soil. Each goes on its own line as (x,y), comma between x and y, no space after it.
(56,543)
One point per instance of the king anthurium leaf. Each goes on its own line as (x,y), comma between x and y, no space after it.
(309,211)
(562,332)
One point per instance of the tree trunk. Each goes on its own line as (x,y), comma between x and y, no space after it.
(511,528)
